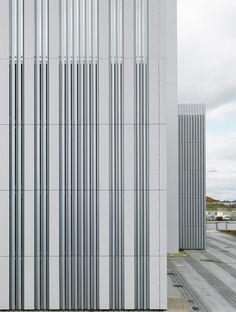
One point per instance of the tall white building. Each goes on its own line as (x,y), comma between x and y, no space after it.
(87,89)
(172,128)
(192,176)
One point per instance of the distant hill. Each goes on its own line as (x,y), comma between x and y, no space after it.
(210,200)
(215,204)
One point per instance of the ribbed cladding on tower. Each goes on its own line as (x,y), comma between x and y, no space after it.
(16,154)
(116,157)
(41,156)
(142,270)
(192,176)
(79,276)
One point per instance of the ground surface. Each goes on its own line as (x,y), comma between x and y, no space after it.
(205,279)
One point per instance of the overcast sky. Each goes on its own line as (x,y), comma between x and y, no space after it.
(207,74)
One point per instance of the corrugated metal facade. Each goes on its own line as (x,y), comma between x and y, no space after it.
(83,154)
(192,176)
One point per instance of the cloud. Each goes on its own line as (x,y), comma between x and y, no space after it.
(221,165)
(206,51)
(221,113)
(220,186)
(207,74)
(221,147)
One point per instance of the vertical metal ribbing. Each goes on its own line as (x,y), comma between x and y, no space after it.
(181,199)
(80,235)
(12,190)
(192,176)
(111,196)
(78,154)
(74,156)
(146,190)
(68,155)
(203,167)
(88,56)
(87,206)
(16,151)
(116,188)
(180,186)
(68,162)
(62,187)
(142,188)
(94,188)
(79,184)
(141,158)
(62,148)
(37,80)
(83,188)
(181,158)
(41,152)
(116,265)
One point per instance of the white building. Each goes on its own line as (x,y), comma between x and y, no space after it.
(172,129)
(87,90)
(192,176)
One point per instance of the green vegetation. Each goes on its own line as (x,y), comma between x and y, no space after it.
(215,206)
(177,255)
(219,206)
(233,233)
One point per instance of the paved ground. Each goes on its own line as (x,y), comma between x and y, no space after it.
(205,279)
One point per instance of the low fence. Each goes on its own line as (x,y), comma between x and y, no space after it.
(221,225)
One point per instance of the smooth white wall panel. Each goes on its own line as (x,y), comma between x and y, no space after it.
(163,224)
(163,282)
(164,6)
(154,158)
(103,92)
(154,92)
(154,217)
(29,20)
(129,32)
(29,282)
(104,223)
(4,282)
(4,89)
(54,95)
(129,223)
(129,91)
(104,157)
(29,92)
(129,167)
(54,28)
(104,283)
(163,159)
(103,28)
(155,276)
(29,158)
(4,224)
(54,157)
(54,224)
(29,220)
(4,29)
(54,283)
(129,277)
(154,28)
(4,164)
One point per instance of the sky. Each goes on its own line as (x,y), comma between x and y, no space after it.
(207,74)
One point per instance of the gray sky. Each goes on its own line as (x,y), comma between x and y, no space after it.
(207,74)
